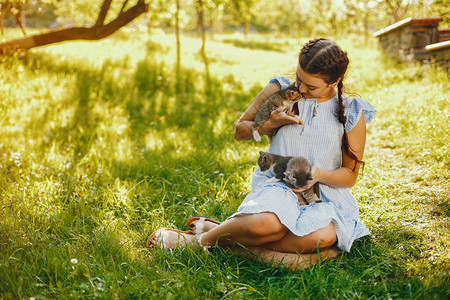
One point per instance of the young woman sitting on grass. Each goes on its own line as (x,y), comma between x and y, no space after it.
(331,133)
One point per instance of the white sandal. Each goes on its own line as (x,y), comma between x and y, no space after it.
(199,227)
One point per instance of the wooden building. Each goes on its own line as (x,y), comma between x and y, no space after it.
(444,34)
(440,54)
(408,38)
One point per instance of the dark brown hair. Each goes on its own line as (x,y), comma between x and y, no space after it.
(325,57)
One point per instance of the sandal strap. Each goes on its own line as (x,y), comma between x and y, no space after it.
(199,227)
(198,238)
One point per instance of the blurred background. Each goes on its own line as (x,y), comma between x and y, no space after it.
(293,17)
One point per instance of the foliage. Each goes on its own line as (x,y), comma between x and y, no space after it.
(295,17)
(97,150)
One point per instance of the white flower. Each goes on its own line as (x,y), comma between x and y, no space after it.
(74,261)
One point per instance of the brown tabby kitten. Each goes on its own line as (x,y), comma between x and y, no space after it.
(283,98)
(297,171)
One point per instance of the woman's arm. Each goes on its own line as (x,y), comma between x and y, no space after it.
(344,177)
(243,128)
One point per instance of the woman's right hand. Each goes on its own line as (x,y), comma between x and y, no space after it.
(279,118)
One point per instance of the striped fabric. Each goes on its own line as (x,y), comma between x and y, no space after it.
(319,140)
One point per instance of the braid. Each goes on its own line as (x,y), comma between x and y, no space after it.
(343,120)
(341,116)
(340,58)
(309,45)
(324,57)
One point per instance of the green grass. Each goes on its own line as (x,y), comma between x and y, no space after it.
(268,46)
(98,149)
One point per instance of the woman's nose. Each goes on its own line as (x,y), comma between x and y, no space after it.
(302,88)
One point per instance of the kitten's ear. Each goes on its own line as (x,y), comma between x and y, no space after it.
(261,153)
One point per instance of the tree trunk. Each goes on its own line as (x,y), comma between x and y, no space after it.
(178,46)
(19,18)
(211,25)
(2,20)
(3,11)
(201,23)
(246,26)
(96,32)
(366,28)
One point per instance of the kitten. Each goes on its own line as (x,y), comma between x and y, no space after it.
(283,98)
(276,163)
(298,174)
(296,169)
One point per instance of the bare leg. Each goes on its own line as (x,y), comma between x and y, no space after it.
(292,251)
(249,230)
(291,261)
(264,238)
(322,238)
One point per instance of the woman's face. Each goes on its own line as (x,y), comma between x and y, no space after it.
(313,86)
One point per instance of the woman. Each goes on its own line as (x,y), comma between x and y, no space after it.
(270,216)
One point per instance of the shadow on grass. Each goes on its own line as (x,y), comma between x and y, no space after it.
(149,97)
(188,130)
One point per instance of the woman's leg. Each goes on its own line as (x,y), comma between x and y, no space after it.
(322,238)
(248,230)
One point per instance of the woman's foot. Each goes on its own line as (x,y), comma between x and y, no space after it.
(168,238)
(199,225)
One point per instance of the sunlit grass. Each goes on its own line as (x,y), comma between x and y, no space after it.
(98,148)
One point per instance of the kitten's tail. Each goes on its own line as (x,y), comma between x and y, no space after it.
(256,135)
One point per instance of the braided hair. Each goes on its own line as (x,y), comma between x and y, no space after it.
(325,57)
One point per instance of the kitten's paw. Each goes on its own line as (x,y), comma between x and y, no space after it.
(256,135)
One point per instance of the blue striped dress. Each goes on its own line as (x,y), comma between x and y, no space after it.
(319,140)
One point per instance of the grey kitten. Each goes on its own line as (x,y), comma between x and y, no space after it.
(296,169)
(283,98)
(298,173)
(276,163)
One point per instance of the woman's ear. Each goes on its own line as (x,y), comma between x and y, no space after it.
(336,82)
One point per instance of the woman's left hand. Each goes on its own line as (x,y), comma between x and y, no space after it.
(315,174)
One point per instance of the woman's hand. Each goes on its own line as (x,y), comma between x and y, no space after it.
(277,119)
(280,118)
(315,174)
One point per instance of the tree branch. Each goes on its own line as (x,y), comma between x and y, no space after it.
(75,33)
(103,12)
(123,6)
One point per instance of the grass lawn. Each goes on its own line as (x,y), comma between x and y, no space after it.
(98,149)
